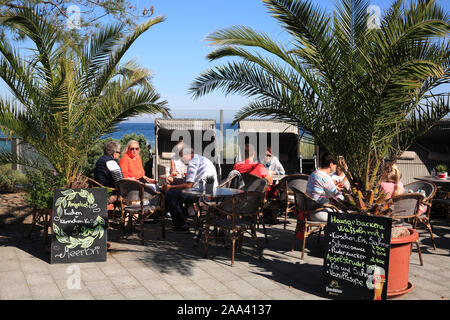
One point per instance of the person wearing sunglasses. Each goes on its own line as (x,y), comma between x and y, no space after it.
(272,163)
(131,163)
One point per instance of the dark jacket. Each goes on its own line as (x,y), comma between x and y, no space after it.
(101,172)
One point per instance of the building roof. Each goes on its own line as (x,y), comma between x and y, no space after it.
(266,126)
(185,124)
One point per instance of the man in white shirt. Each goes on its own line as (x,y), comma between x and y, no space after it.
(198,169)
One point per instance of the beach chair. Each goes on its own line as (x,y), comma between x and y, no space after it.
(305,206)
(430,192)
(286,199)
(406,206)
(233,218)
(136,205)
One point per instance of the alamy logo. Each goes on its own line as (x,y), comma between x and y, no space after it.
(74,17)
(74,279)
(373,22)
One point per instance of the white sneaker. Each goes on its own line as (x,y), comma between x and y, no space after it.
(191,211)
(168,215)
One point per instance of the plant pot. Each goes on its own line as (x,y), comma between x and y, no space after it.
(400,253)
(442,175)
(209,188)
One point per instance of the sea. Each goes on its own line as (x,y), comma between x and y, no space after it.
(148,130)
(145,128)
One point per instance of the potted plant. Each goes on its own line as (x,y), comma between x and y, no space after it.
(399,254)
(209,184)
(39,188)
(441,171)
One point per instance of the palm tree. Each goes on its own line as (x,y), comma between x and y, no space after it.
(364,93)
(66,95)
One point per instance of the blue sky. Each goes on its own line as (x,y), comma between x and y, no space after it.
(175,49)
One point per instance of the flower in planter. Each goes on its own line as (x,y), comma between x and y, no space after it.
(441,170)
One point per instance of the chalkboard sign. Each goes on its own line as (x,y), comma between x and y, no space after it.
(79,225)
(356,262)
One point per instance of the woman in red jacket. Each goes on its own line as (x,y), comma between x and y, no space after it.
(131,163)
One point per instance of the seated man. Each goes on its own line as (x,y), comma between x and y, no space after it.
(321,188)
(107,171)
(177,167)
(252,167)
(198,169)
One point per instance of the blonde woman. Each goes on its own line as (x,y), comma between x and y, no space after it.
(390,180)
(339,177)
(131,163)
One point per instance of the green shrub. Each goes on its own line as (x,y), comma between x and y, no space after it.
(9,179)
(97,151)
(441,168)
(40,187)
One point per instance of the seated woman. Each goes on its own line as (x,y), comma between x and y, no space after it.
(132,168)
(131,163)
(390,183)
(390,180)
(272,163)
(339,177)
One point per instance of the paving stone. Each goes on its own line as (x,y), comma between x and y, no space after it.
(101,288)
(156,286)
(124,282)
(143,273)
(36,279)
(192,291)
(228,296)
(169,296)
(244,289)
(48,291)
(173,269)
(15,291)
(77,295)
(9,264)
(213,287)
(37,266)
(137,293)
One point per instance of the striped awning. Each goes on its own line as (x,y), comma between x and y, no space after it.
(185,124)
(267,126)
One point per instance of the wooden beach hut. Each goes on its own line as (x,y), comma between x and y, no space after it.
(282,137)
(199,134)
(431,149)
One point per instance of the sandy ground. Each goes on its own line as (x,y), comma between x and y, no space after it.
(14,210)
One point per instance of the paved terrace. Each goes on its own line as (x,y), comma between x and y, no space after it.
(174,268)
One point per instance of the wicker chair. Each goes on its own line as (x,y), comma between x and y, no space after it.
(234,217)
(430,192)
(286,195)
(135,200)
(406,206)
(304,203)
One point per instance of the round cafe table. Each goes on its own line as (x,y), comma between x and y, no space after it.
(442,182)
(217,195)
(277,177)
(444,186)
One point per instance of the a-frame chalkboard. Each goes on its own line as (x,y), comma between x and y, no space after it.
(79,225)
(356,261)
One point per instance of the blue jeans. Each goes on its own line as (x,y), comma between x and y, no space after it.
(174,203)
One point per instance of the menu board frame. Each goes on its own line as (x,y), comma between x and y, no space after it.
(356,261)
(79,225)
